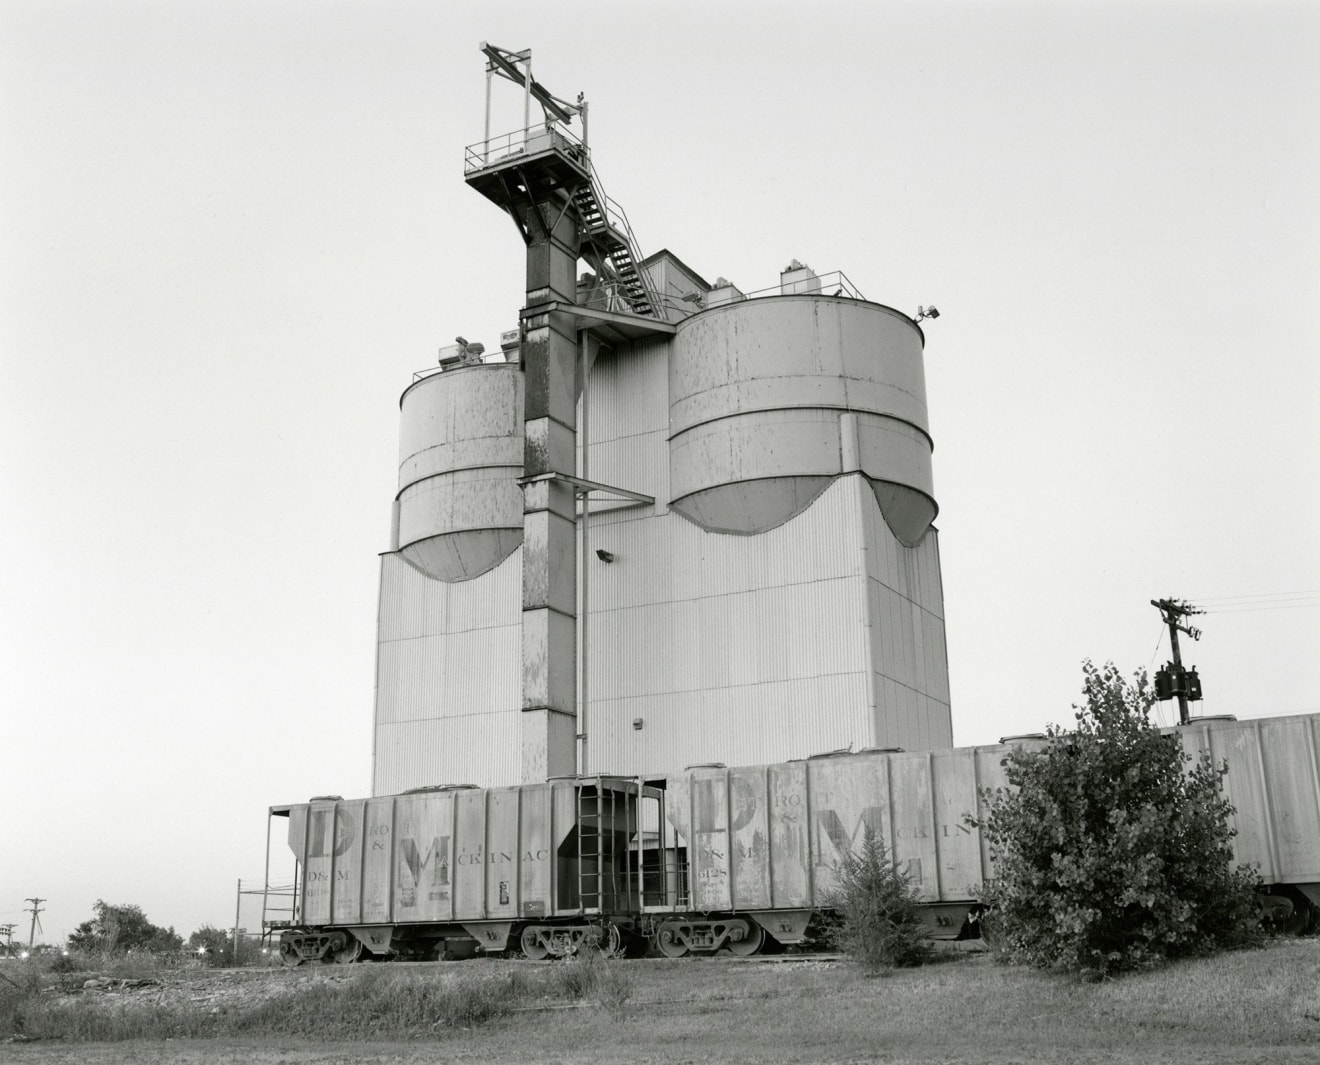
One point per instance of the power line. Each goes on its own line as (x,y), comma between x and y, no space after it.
(1249,609)
(1236,604)
(1255,595)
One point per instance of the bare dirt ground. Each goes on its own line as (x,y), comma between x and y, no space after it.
(211,990)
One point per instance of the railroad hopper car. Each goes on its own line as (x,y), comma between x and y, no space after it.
(453,867)
(1273,782)
(723,858)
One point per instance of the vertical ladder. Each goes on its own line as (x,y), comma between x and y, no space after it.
(594,814)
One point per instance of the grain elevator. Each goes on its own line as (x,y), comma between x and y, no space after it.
(668,522)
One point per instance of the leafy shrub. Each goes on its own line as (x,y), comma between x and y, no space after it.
(1111,855)
(877,916)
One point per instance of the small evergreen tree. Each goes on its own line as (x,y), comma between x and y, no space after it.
(877,911)
(1110,853)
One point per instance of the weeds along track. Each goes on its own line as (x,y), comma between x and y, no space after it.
(550,984)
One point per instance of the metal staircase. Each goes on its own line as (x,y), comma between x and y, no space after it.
(609,246)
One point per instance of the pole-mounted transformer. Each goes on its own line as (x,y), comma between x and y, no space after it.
(1173,681)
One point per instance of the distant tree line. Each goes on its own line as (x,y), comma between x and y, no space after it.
(124,929)
(120,929)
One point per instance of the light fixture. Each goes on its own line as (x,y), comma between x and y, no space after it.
(926,312)
(603,555)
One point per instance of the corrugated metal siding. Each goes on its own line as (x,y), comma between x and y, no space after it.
(629,421)
(480,749)
(448,675)
(630,391)
(448,664)
(444,652)
(412,605)
(907,634)
(749,723)
(667,559)
(732,648)
(638,463)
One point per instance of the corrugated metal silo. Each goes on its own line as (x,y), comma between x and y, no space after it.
(459,510)
(773,398)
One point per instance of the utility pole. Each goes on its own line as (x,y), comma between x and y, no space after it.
(7,930)
(1173,680)
(35,910)
(238,909)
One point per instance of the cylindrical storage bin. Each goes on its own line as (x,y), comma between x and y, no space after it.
(772,398)
(460,508)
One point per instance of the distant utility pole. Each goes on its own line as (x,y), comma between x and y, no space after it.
(35,910)
(7,930)
(1174,681)
(238,910)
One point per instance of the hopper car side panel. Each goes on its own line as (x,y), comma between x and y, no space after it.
(766,837)
(710,857)
(346,858)
(960,866)
(790,837)
(1273,780)
(423,858)
(535,870)
(750,867)
(378,861)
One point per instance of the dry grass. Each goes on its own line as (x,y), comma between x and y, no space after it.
(1261,1005)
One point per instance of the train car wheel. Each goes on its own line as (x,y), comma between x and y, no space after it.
(610,943)
(532,947)
(751,943)
(348,953)
(289,956)
(1287,911)
(669,943)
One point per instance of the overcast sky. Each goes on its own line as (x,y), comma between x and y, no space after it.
(231,232)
